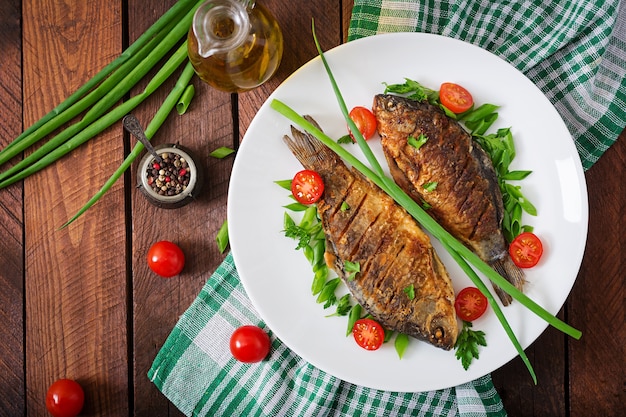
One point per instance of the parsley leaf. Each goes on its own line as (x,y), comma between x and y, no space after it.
(430,186)
(352,268)
(417,142)
(410,291)
(467,344)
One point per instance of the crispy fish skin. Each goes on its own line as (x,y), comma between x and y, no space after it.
(392,250)
(466,200)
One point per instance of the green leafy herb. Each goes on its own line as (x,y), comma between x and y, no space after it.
(327,294)
(352,268)
(353,316)
(343,306)
(410,291)
(501,149)
(344,140)
(417,142)
(467,344)
(294,231)
(296,207)
(344,206)
(286,184)
(430,186)
(222,152)
(222,237)
(401,343)
(413,90)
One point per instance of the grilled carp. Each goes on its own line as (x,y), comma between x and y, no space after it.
(391,249)
(452,174)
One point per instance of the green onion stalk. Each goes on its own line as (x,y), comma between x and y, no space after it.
(93,121)
(111,85)
(139,48)
(59,149)
(174,99)
(459,251)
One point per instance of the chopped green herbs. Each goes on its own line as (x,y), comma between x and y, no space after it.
(222,152)
(430,186)
(352,268)
(353,316)
(417,142)
(344,206)
(410,291)
(286,184)
(401,343)
(222,237)
(344,140)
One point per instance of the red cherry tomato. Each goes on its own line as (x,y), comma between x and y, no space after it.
(456,98)
(166,259)
(249,344)
(470,304)
(65,398)
(368,334)
(526,250)
(364,120)
(307,186)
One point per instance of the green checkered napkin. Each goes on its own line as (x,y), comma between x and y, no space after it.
(573,50)
(197,372)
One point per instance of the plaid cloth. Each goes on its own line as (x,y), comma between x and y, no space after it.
(573,50)
(197,372)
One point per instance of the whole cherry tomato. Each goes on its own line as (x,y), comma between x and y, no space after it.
(166,259)
(65,398)
(249,344)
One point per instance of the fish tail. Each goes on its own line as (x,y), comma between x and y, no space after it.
(311,153)
(512,273)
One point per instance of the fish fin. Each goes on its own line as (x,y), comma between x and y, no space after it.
(512,273)
(311,153)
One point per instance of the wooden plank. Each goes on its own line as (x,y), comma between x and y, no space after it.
(514,384)
(158,303)
(12,377)
(76,277)
(597,361)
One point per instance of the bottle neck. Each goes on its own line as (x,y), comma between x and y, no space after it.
(221,25)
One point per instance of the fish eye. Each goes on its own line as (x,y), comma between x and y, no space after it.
(439,333)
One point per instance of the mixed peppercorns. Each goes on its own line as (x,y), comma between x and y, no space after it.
(169,177)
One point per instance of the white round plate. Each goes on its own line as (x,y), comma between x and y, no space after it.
(278,278)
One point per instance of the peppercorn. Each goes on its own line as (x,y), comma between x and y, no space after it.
(170,177)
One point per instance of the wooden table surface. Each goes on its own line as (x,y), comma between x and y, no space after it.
(81,302)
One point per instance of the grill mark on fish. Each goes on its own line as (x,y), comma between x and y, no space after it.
(391,249)
(467,201)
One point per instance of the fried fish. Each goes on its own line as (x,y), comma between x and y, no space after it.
(451,174)
(363,225)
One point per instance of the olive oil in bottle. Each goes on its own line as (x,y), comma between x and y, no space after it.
(234,45)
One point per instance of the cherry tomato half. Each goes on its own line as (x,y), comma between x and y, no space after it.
(166,259)
(249,344)
(526,250)
(368,334)
(456,98)
(364,120)
(65,398)
(470,304)
(307,186)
